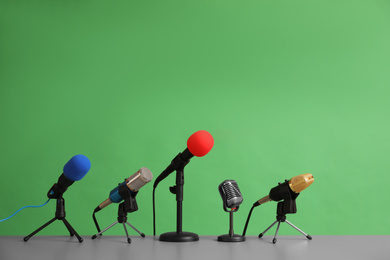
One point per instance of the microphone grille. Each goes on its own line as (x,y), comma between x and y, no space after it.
(139,179)
(230,193)
(232,190)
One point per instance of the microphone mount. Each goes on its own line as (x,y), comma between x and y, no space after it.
(58,189)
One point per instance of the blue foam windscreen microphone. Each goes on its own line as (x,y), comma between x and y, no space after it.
(74,170)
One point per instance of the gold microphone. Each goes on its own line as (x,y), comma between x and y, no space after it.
(296,185)
(289,189)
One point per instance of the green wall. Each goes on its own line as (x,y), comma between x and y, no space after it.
(284,86)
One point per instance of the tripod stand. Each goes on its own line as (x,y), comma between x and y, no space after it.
(129,205)
(59,215)
(283,208)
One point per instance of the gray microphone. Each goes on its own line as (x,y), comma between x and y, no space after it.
(232,198)
(230,194)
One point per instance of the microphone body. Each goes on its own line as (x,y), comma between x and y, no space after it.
(74,170)
(293,186)
(181,160)
(230,194)
(133,184)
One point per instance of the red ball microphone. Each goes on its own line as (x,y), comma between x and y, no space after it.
(198,144)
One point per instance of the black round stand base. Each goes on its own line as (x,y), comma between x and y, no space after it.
(179,237)
(234,238)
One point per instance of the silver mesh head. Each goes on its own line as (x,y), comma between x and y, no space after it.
(230,193)
(139,179)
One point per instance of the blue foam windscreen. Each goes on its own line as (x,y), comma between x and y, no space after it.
(76,168)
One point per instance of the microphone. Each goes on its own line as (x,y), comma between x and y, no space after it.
(230,194)
(129,187)
(198,144)
(74,170)
(133,183)
(232,198)
(295,184)
(287,191)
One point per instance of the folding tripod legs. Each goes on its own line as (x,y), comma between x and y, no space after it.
(124,226)
(59,215)
(277,229)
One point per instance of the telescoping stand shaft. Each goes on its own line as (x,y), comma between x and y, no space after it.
(179,235)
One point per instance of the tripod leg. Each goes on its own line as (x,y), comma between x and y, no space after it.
(303,233)
(262,234)
(276,233)
(139,232)
(71,230)
(101,232)
(127,234)
(39,229)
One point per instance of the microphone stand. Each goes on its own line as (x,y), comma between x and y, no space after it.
(231,237)
(287,206)
(128,206)
(59,215)
(179,236)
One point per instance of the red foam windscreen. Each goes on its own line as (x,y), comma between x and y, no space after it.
(200,143)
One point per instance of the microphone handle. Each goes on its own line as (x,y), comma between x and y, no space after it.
(262,201)
(186,155)
(183,157)
(104,204)
(163,175)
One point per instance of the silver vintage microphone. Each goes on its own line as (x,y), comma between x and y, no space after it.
(230,194)
(232,198)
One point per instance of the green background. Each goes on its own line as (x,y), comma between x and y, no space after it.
(285,87)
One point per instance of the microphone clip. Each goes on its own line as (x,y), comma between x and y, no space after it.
(283,193)
(130,204)
(58,189)
(178,163)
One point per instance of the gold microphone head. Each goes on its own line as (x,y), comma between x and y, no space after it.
(301,182)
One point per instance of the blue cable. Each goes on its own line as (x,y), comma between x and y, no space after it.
(1,220)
